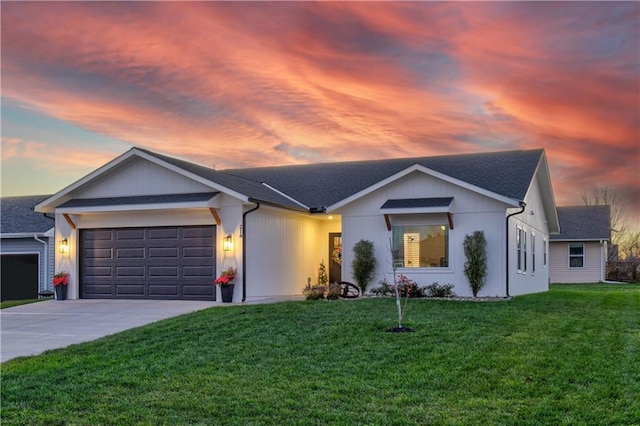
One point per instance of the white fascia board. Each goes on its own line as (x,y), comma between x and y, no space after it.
(414,210)
(430,172)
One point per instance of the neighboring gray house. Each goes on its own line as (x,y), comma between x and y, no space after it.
(146,225)
(578,254)
(26,248)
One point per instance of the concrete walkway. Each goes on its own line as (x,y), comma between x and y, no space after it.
(37,327)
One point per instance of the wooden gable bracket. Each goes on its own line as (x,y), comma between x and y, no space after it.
(450,218)
(387,221)
(215,215)
(69,221)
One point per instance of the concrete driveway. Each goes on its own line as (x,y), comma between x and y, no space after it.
(37,327)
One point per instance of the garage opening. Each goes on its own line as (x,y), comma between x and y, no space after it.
(19,276)
(148,263)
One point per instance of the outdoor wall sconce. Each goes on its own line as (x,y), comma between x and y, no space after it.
(227,243)
(63,246)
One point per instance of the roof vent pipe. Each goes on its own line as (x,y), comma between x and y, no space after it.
(244,248)
(522,206)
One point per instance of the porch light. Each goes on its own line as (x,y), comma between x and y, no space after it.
(227,243)
(63,246)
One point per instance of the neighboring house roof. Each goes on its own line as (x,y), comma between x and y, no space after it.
(583,223)
(17,216)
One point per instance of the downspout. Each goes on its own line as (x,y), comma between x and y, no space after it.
(522,206)
(46,260)
(244,248)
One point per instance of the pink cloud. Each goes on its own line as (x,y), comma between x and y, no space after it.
(241,84)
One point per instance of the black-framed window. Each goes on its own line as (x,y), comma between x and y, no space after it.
(421,246)
(576,255)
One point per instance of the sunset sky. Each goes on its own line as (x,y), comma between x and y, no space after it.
(240,84)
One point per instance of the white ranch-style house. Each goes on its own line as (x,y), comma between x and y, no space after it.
(146,225)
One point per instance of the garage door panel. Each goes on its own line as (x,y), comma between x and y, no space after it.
(98,290)
(163,252)
(164,234)
(204,233)
(97,253)
(130,253)
(130,271)
(197,271)
(197,252)
(98,235)
(130,234)
(163,271)
(130,290)
(164,264)
(164,290)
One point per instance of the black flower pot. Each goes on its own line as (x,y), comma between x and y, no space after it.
(61,292)
(227,292)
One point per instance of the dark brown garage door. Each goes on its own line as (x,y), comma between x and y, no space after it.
(148,263)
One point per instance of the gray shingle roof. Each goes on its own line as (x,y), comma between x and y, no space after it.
(407,203)
(250,188)
(583,223)
(507,173)
(17,215)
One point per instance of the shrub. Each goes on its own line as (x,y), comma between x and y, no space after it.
(333,292)
(322,274)
(408,288)
(385,289)
(364,263)
(314,292)
(437,290)
(475,267)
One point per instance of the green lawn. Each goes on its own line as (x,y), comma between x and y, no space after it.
(569,356)
(11,303)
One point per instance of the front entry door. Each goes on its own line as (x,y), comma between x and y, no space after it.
(335,257)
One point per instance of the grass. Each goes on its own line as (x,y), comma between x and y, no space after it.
(569,356)
(11,303)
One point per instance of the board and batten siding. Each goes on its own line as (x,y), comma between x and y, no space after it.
(283,251)
(142,177)
(471,211)
(559,263)
(31,246)
(533,221)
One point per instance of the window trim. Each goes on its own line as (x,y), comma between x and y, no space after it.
(519,232)
(533,253)
(581,256)
(399,263)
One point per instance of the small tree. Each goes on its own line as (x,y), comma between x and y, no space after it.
(364,263)
(475,267)
(322,274)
